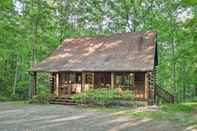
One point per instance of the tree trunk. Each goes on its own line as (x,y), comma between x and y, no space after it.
(35,23)
(15,78)
(173,33)
(173,65)
(183,79)
(30,86)
(127,16)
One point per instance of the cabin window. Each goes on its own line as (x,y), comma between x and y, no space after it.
(64,78)
(124,79)
(70,77)
(78,78)
(102,79)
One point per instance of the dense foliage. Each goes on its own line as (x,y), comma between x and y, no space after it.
(31,29)
(42,98)
(102,96)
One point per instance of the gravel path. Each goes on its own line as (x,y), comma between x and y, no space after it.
(27,117)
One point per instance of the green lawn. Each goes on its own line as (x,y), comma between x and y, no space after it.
(185,113)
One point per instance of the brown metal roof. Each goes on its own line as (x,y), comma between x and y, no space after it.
(133,51)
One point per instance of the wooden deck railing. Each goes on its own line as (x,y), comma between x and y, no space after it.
(165,95)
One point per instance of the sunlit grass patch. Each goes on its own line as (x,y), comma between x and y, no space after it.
(11,104)
(182,112)
(17,103)
(182,107)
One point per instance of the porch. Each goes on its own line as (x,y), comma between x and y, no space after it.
(64,84)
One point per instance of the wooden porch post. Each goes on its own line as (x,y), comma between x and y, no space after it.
(35,83)
(33,80)
(112,80)
(57,84)
(146,86)
(83,81)
(52,82)
(93,80)
(30,86)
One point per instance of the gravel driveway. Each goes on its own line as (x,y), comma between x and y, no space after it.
(26,117)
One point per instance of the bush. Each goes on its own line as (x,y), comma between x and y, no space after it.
(10,98)
(181,107)
(15,98)
(127,95)
(4,98)
(102,96)
(42,98)
(195,99)
(42,89)
(22,89)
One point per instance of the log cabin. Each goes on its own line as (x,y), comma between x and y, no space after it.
(121,60)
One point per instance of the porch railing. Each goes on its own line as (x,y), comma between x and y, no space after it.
(165,95)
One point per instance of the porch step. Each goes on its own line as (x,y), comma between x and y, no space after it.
(62,101)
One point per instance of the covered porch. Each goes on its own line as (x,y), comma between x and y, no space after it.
(65,84)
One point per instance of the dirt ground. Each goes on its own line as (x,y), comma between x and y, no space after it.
(28,117)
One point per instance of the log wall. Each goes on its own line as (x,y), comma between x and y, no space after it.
(151,89)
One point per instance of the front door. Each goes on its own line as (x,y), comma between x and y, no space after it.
(140,85)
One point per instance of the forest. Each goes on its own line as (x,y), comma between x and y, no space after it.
(31,29)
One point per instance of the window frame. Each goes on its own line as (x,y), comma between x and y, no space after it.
(124,76)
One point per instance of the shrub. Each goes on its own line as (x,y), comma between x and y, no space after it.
(195,99)
(42,89)
(42,98)
(127,95)
(15,97)
(102,96)
(4,98)
(22,89)
(10,98)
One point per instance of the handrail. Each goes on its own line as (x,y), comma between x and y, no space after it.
(165,95)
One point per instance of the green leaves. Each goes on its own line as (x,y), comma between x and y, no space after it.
(189,2)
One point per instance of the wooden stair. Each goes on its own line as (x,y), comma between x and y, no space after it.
(163,94)
(62,101)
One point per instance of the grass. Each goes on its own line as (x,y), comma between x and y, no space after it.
(17,103)
(10,104)
(185,113)
(10,98)
(183,107)
(42,98)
